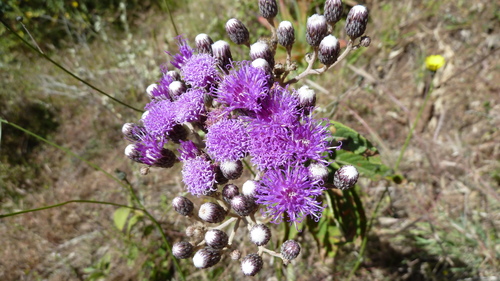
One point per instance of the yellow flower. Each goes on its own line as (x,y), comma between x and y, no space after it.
(434,62)
(74,4)
(29,14)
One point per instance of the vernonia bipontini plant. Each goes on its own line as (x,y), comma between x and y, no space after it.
(226,116)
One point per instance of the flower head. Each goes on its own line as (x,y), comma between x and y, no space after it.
(290,193)
(269,144)
(159,119)
(243,88)
(309,141)
(188,150)
(150,151)
(279,106)
(434,62)
(199,176)
(227,140)
(185,52)
(190,106)
(200,71)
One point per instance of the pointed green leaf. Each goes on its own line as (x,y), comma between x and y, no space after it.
(120,217)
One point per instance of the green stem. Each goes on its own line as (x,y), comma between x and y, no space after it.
(171,18)
(65,70)
(427,94)
(65,203)
(365,238)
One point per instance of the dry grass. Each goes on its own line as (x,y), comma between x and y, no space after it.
(441,223)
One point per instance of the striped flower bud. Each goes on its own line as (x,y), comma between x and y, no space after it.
(211,212)
(229,191)
(318,171)
(235,255)
(219,176)
(176,88)
(204,43)
(307,96)
(232,169)
(260,234)
(261,49)
(262,64)
(206,258)
(237,32)
(216,238)
(222,53)
(356,21)
(150,89)
(365,41)
(345,177)
(290,249)
(133,132)
(174,75)
(251,264)
(317,29)
(286,34)
(249,188)
(183,206)
(268,8)
(182,250)
(333,11)
(243,205)
(329,50)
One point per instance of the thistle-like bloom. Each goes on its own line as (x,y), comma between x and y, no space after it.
(270,144)
(188,150)
(243,88)
(309,141)
(185,53)
(279,106)
(227,140)
(290,191)
(200,71)
(159,119)
(150,151)
(199,176)
(190,106)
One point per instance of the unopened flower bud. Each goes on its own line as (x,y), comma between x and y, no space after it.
(182,250)
(195,232)
(268,8)
(318,171)
(249,188)
(260,234)
(232,169)
(317,29)
(204,43)
(261,49)
(219,176)
(329,50)
(206,258)
(133,132)
(176,89)
(307,96)
(243,205)
(345,177)
(222,53)
(365,41)
(290,249)
(235,255)
(178,133)
(237,32)
(174,75)
(286,34)
(183,206)
(229,191)
(216,238)
(251,264)
(262,64)
(211,212)
(132,153)
(333,11)
(149,90)
(356,21)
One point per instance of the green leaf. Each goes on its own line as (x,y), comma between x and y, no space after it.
(120,217)
(367,166)
(133,220)
(351,140)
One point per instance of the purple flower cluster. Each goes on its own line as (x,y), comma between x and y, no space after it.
(242,115)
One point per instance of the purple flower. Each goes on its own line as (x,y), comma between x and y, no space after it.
(199,175)
(270,144)
(279,106)
(185,53)
(243,88)
(290,191)
(188,150)
(309,141)
(150,151)
(159,119)
(190,106)
(227,140)
(200,71)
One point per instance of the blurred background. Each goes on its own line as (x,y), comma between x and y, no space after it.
(440,221)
